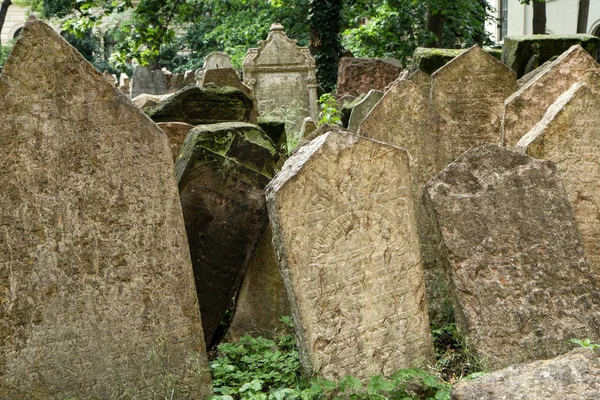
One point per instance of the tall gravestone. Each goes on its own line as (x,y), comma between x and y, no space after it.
(222,171)
(214,60)
(569,135)
(282,76)
(145,81)
(521,283)
(345,233)
(96,286)
(527,106)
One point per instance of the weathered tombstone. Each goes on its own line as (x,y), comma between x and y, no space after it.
(197,106)
(176,132)
(344,229)
(573,376)
(146,101)
(214,60)
(360,75)
(228,77)
(110,78)
(96,282)
(145,81)
(308,127)
(124,84)
(430,60)
(362,109)
(222,171)
(262,299)
(569,135)
(468,94)
(282,76)
(521,283)
(527,106)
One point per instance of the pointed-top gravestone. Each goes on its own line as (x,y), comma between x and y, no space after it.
(96,286)
(362,109)
(344,229)
(527,106)
(282,76)
(520,280)
(569,135)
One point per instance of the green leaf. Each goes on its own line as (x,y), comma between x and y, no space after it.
(379,384)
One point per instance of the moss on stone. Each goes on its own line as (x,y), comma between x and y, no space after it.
(275,129)
(430,60)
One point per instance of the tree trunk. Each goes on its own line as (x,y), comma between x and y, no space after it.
(582,17)
(435,24)
(539,17)
(3,10)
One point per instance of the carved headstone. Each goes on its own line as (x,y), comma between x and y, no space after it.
(527,106)
(362,109)
(521,283)
(214,60)
(145,81)
(228,77)
(343,223)
(96,283)
(360,75)
(222,171)
(176,132)
(282,76)
(569,135)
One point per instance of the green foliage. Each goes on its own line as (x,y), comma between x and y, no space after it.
(5,51)
(453,358)
(325,25)
(586,343)
(330,113)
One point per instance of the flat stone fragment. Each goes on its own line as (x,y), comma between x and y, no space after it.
(262,299)
(360,75)
(573,376)
(345,234)
(197,106)
(176,132)
(145,81)
(521,283)
(527,106)
(96,286)
(308,127)
(146,101)
(362,109)
(222,171)
(569,135)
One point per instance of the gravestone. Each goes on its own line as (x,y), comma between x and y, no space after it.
(468,94)
(124,84)
(214,60)
(110,78)
(145,81)
(262,299)
(146,101)
(308,127)
(344,229)
(521,283)
(527,106)
(360,75)
(228,77)
(362,109)
(569,135)
(176,132)
(222,171)
(282,77)
(96,285)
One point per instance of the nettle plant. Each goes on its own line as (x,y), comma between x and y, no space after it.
(330,113)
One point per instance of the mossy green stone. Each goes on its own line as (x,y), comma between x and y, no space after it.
(518,50)
(430,60)
(275,129)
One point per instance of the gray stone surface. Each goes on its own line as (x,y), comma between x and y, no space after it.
(527,106)
(573,376)
(362,109)
(569,135)
(145,81)
(282,76)
(146,101)
(521,283)
(345,234)
(308,127)
(214,60)
(222,171)
(96,286)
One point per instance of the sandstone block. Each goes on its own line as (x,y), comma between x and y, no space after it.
(360,75)
(176,132)
(145,81)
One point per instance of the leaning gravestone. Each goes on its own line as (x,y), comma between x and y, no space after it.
(222,171)
(521,283)
(345,234)
(228,77)
(527,106)
(215,60)
(97,289)
(282,76)
(569,135)
(362,109)
(145,81)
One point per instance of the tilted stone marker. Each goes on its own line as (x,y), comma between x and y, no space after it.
(282,76)
(145,81)
(527,106)
(96,286)
(176,132)
(343,223)
(362,109)
(222,171)
(569,135)
(521,283)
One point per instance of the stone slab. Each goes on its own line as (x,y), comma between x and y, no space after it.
(176,132)
(96,288)
(345,234)
(362,109)
(360,75)
(145,81)
(228,77)
(521,283)
(430,60)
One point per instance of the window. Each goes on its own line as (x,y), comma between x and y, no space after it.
(503,19)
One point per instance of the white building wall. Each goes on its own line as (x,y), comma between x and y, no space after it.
(15,19)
